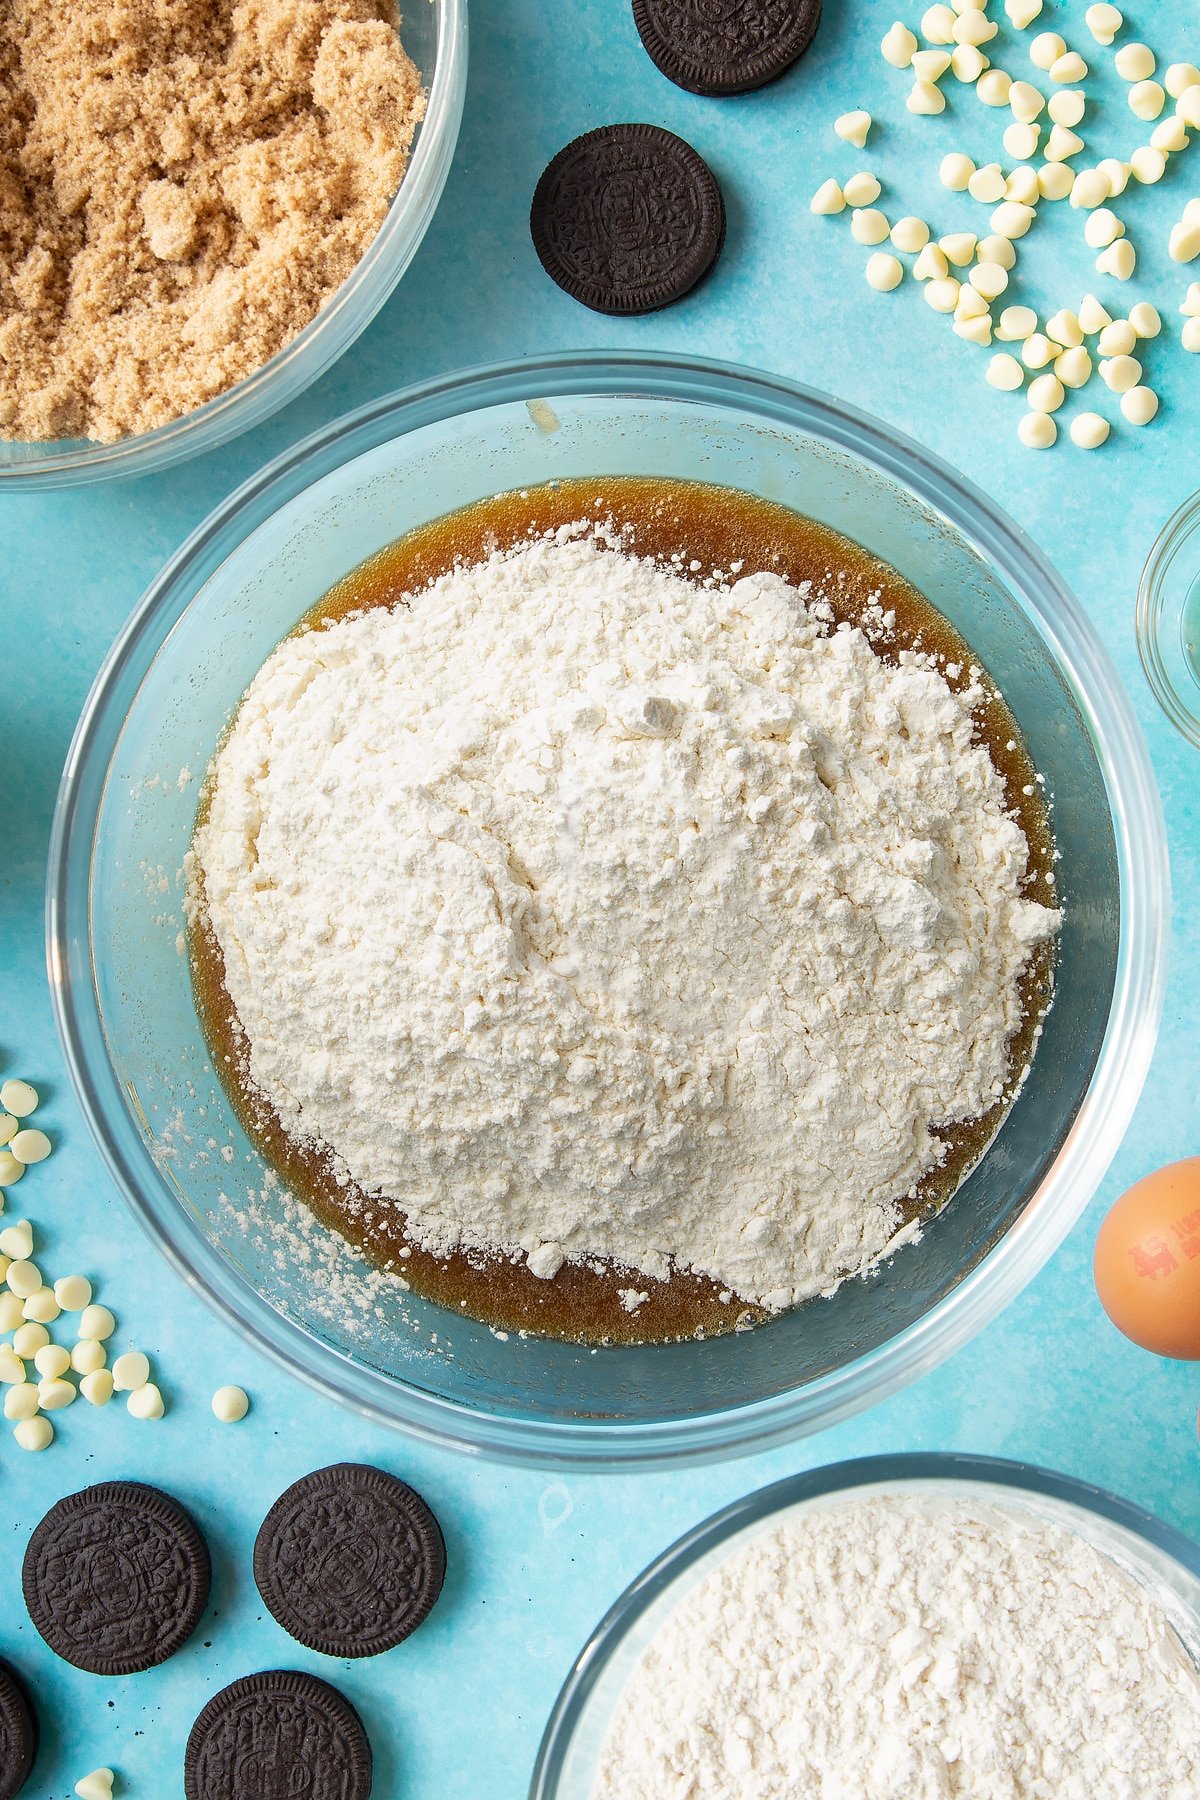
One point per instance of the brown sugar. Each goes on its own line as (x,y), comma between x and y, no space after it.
(183,184)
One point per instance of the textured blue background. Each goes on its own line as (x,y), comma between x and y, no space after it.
(535,1560)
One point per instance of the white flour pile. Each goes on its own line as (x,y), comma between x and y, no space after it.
(894,1649)
(589,912)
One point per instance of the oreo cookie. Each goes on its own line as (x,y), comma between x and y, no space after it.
(282,1732)
(116,1578)
(18,1733)
(721,47)
(627,219)
(349,1560)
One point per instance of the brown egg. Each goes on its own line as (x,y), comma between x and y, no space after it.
(1147,1262)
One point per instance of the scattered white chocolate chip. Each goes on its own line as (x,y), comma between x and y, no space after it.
(1055,180)
(868,225)
(73,1292)
(1139,404)
(1065,329)
(21,1401)
(1188,108)
(1067,106)
(1120,373)
(51,1361)
(1145,319)
(1046,393)
(8,1125)
(930,65)
(958,247)
(910,234)
(861,189)
(931,265)
(11,1170)
(1037,350)
(925,98)
(1001,250)
(994,87)
(87,1356)
(956,171)
(1103,22)
(230,1404)
(942,294)
(1185,242)
(1021,141)
(1037,431)
(937,25)
(899,46)
(98,1785)
(34,1434)
(1146,99)
(987,184)
(16,1240)
(1117,173)
(97,1387)
(1016,324)
(28,1339)
(1023,12)
(145,1402)
(30,1146)
(55,1394)
(1190,310)
(1089,430)
(828,198)
(18,1098)
(12,1369)
(975,328)
(42,1306)
(97,1323)
(1180,77)
(1093,317)
(1062,143)
(854,127)
(1190,335)
(1022,186)
(1102,228)
(1011,219)
(1170,136)
(1046,49)
(12,1310)
(24,1278)
(1117,339)
(1068,68)
(967,62)
(989,279)
(1119,260)
(1135,62)
(1005,372)
(974,28)
(132,1370)
(1026,102)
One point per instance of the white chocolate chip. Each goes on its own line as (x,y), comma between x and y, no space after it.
(34,1434)
(974,28)
(1005,372)
(956,171)
(967,62)
(994,87)
(16,1240)
(930,65)
(1117,173)
(910,234)
(1103,22)
(1021,141)
(1145,319)
(1139,404)
(1089,430)
(1046,49)
(1119,260)
(1023,12)
(1135,62)
(1026,101)
(1065,329)
(1069,68)
(1146,99)
(1117,339)
(1016,324)
(989,279)
(1180,77)
(145,1402)
(1190,310)
(73,1292)
(1001,250)
(11,1308)
(54,1395)
(96,1786)
(1037,431)
(1046,393)
(1067,106)
(942,294)
(925,98)
(854,127)
(861,189)
(899,46)
(976,330)
(21,1400)
(1169,136)
(868,225)
(828,198)
(987,184)
(959,247)
(1093,317)
(1055,180)
(1037,351)
(12,1369)
(97,1323)
(42,1306)
(28,1339)
(937,25)
(1022,186)
(18,1098)
(132,1370)
(884,272)
(1102,228)
(8,1125)
(51,1361)
(230,1404)
(1188,108)
(1185,242)
(1062,143)
(1120,373)
(1011,219)
(971,304)
(87,1356)
(24,1278)
(11,1170)
(1190,336)
(931,265)
(30,1146)
(97,1387)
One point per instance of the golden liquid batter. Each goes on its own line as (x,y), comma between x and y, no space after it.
(715,527)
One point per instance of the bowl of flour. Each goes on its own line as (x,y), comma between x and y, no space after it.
(503,875)
(903,1625)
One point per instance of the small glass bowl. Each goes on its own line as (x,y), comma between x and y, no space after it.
(1162,1560)
(435,36)
(126,813)
(1168,619)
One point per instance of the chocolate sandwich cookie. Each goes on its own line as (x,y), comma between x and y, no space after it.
(116,1578)
(282,1732)
(18,1733)
(725,46)
(627,219)
(349,1560)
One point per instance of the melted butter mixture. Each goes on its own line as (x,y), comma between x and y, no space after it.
(715,527)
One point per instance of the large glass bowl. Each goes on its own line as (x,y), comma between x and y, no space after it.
(435,36)
(1162,1560)
(123,824)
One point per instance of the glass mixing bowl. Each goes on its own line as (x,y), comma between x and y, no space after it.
(124,822)
(435,36)
(1168,619)
(1161,1559)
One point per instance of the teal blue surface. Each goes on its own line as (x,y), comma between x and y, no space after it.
(534,1560)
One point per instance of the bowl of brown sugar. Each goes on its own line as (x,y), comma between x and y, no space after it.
(202,205)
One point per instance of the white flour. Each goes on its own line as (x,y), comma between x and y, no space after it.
(896,1649)
(592,913)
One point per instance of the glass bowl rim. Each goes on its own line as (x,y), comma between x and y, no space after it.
(1152,622)
(950,1468)
(577,1441)
(326,337)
